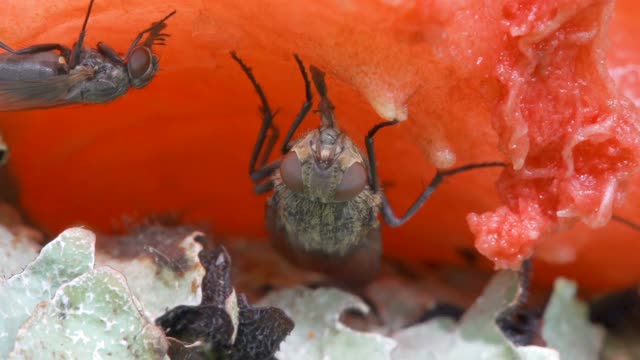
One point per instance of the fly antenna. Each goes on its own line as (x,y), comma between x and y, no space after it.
(77,49)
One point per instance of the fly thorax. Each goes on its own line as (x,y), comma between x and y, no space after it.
(110,79)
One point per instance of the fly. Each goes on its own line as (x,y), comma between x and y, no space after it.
(323,214)
(4,151)
(52,75)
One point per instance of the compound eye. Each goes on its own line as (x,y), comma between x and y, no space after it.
(291,172)
(353,182)
(140,63)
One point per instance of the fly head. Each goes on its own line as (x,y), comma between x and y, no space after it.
(142,66)
(325,165)
(142,63)
(328,173)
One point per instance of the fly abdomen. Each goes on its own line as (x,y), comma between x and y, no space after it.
(36,66)
(332,228)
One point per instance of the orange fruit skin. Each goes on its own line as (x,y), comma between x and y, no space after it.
(183,143)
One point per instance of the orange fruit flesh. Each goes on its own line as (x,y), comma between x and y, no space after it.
(512,80)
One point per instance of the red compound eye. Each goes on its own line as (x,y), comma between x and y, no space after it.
(139,63)
(291,172)
(353,182)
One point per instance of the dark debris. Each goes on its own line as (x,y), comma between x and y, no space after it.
(261,330)
(210,326)
(441,309)
(216,284)
(617,309)
(158,242)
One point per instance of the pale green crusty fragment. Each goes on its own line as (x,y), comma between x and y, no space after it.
(318,333)
(567,327)
(15,253)
(159,286)
(92,317)
(70,255)
(477,336)
(425,340)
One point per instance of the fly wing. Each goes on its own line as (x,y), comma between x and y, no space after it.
(17,95)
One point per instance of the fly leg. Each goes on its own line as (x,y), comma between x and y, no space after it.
(627,222)
(33,49)
(275,132)
(77,47)
(154,34)
(109,53)
(286,146)
(259,170)
(520,322)
(387,211)
(261,173)
(72,57)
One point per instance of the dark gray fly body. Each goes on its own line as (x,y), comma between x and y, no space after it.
(52,75)
(4,151)
(323,214)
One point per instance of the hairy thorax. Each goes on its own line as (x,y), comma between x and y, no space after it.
(332,228)
(109,81)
